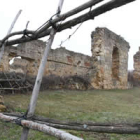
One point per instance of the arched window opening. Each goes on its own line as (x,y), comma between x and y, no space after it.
(115,63)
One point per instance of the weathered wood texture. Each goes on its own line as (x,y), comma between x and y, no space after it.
(118,128)
(90,15)
(41,127)
(41,70)
(59,18)
(70,13)
(44,32)
(93,13)
(9,31)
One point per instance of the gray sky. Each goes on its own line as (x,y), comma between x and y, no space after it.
(124,21)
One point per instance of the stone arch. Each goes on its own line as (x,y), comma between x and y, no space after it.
(115,63)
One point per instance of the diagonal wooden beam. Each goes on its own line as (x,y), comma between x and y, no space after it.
(57,19)
(36,89)
(70,13)
(94,13)
(9,31)
(88,16)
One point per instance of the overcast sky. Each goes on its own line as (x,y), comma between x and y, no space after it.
(124,21)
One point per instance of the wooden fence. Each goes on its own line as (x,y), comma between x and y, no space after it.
(51,27)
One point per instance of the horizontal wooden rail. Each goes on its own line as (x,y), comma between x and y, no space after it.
(117,128)
(40,127)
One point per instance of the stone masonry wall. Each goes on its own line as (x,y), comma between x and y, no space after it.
(136,72)
(111,54)
(61,62)
(105,69)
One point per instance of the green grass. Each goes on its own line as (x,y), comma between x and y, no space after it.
(95,105)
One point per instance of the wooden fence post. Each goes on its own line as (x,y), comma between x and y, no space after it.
(38,81)
(9,31)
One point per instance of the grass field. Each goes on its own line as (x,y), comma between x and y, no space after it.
(95,105)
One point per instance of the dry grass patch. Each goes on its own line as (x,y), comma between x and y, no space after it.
(95,105)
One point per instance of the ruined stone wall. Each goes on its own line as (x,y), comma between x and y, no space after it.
(105,69)
(136,72)
(61,62)
(111,54)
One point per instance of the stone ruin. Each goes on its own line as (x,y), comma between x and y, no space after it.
(2,106)
(110,53)
(105,69)
(136,72)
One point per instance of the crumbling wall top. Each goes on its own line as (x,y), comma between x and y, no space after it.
(111,36)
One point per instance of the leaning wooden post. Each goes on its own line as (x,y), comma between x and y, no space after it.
(9,31)
(38,81)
